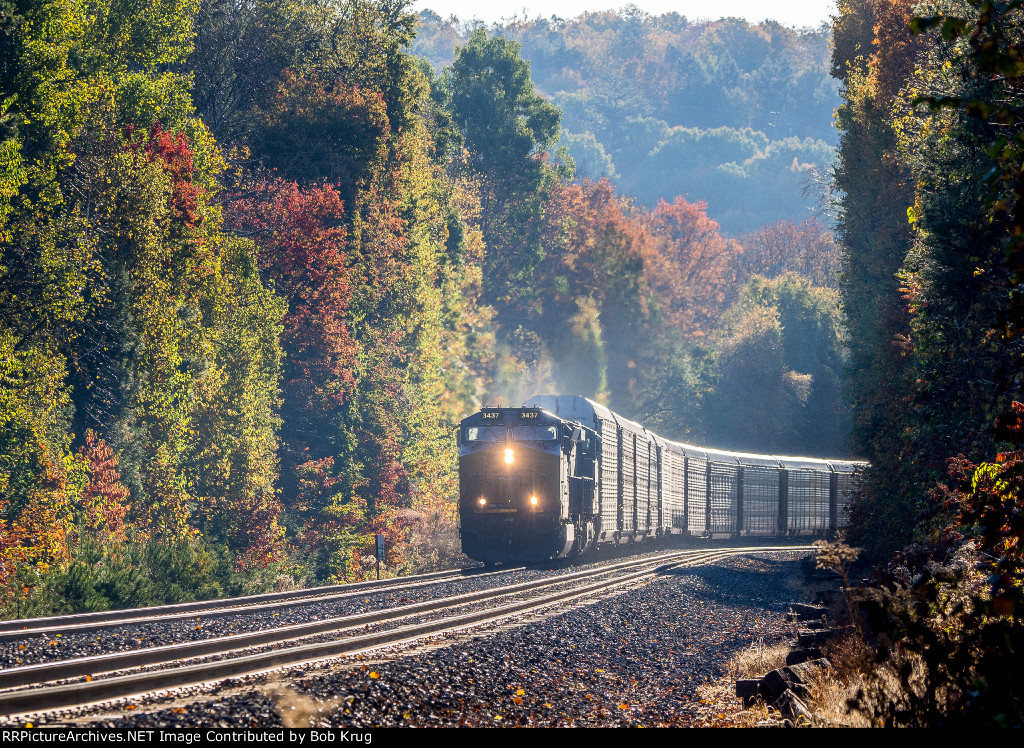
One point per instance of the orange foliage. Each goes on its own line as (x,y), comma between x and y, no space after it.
(689,268)
(104,499)
(675,254)
(807,248)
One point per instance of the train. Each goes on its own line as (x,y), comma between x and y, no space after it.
(562,475)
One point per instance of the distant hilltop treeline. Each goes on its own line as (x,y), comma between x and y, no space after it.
(737,114)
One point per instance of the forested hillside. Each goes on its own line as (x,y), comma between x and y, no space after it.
(736,114)
(257,260)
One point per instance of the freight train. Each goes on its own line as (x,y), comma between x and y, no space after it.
(562,475)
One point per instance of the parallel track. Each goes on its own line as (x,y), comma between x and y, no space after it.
(175,673)
(266,603)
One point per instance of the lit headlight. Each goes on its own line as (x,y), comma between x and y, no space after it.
(482,501)
(508,456)
(533,501)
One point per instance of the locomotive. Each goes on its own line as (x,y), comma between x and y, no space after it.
(563,474)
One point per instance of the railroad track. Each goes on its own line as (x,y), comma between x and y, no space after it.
(22,689)
(222,607)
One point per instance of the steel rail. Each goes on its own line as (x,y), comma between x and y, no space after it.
(47,698)
(220,612)
(27,626)
(97,664)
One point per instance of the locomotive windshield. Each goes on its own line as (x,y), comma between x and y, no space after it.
(485,434)
(535,433)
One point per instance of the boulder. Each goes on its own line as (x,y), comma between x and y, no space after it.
(796,656)
(776,682)
(791,707)
(805,672)
(808,612)
(811,638)
(748,689)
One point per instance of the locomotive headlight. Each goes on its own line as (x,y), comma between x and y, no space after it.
(482,501)
(508,456)
(533,501)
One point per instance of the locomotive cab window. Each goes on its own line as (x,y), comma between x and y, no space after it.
(485,434)
(535,433)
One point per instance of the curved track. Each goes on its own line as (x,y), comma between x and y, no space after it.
(282,647)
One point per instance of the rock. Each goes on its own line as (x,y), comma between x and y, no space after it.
(796,656)
(804,672)
(809,638)
(775,683)
(791,707)
(818,625)
(808,612)
(748,690)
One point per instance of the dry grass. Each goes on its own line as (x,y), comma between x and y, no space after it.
(830,689)
(434,543)
(757,659)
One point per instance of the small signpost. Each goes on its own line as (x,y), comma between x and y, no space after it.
(380,552)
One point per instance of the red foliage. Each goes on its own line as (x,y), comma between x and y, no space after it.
(301,246)
(104,499)
(596,236)
(175,153)
(13,543)
(677,251)
(690,267)
(807,248)
(892,63)
(257,534)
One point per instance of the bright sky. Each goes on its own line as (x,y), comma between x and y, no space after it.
(799,13)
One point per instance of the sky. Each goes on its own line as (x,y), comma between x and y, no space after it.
(798,13)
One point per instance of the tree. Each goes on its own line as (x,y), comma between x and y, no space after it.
(875,238)
(507,127)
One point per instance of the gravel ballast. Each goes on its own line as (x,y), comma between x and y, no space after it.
(636,657)
(37,648)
